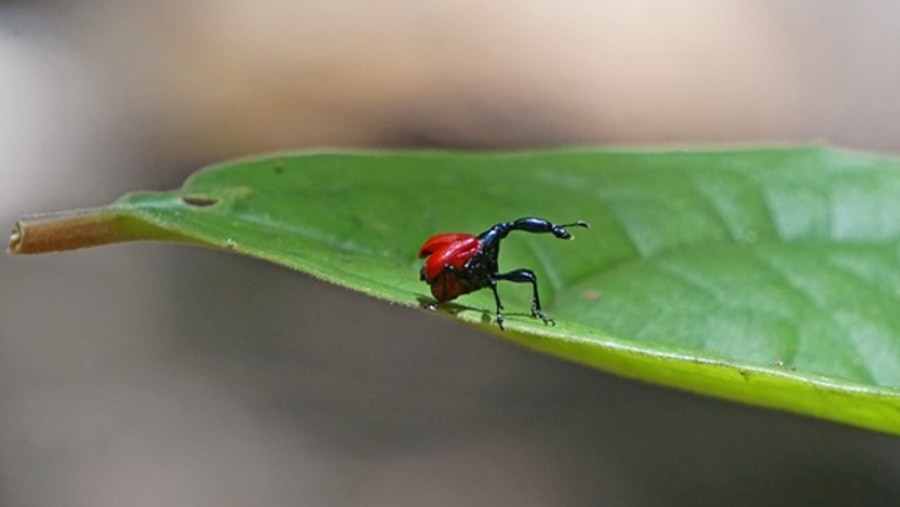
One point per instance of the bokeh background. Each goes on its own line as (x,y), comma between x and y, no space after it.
(145,375)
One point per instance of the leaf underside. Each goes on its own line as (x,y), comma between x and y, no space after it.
(768,276)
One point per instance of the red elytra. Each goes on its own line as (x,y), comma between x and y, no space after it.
(450,250)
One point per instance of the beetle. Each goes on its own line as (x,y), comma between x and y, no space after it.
(459,263)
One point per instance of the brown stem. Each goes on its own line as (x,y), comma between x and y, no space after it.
(70,230)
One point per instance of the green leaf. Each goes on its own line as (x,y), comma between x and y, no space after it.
(767,276)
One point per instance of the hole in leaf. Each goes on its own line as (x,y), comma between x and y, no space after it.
(201,201)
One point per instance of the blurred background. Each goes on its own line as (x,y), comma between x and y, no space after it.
(144,375)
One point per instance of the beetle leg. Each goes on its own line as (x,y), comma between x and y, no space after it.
(493,286)
(528,276)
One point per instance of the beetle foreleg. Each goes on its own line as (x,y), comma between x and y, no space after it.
(493,286)
(528,276)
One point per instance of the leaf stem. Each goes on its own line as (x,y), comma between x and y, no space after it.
(71,230)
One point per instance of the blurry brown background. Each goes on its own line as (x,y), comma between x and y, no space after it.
(144,375)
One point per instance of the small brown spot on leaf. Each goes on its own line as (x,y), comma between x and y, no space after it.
(592,295)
